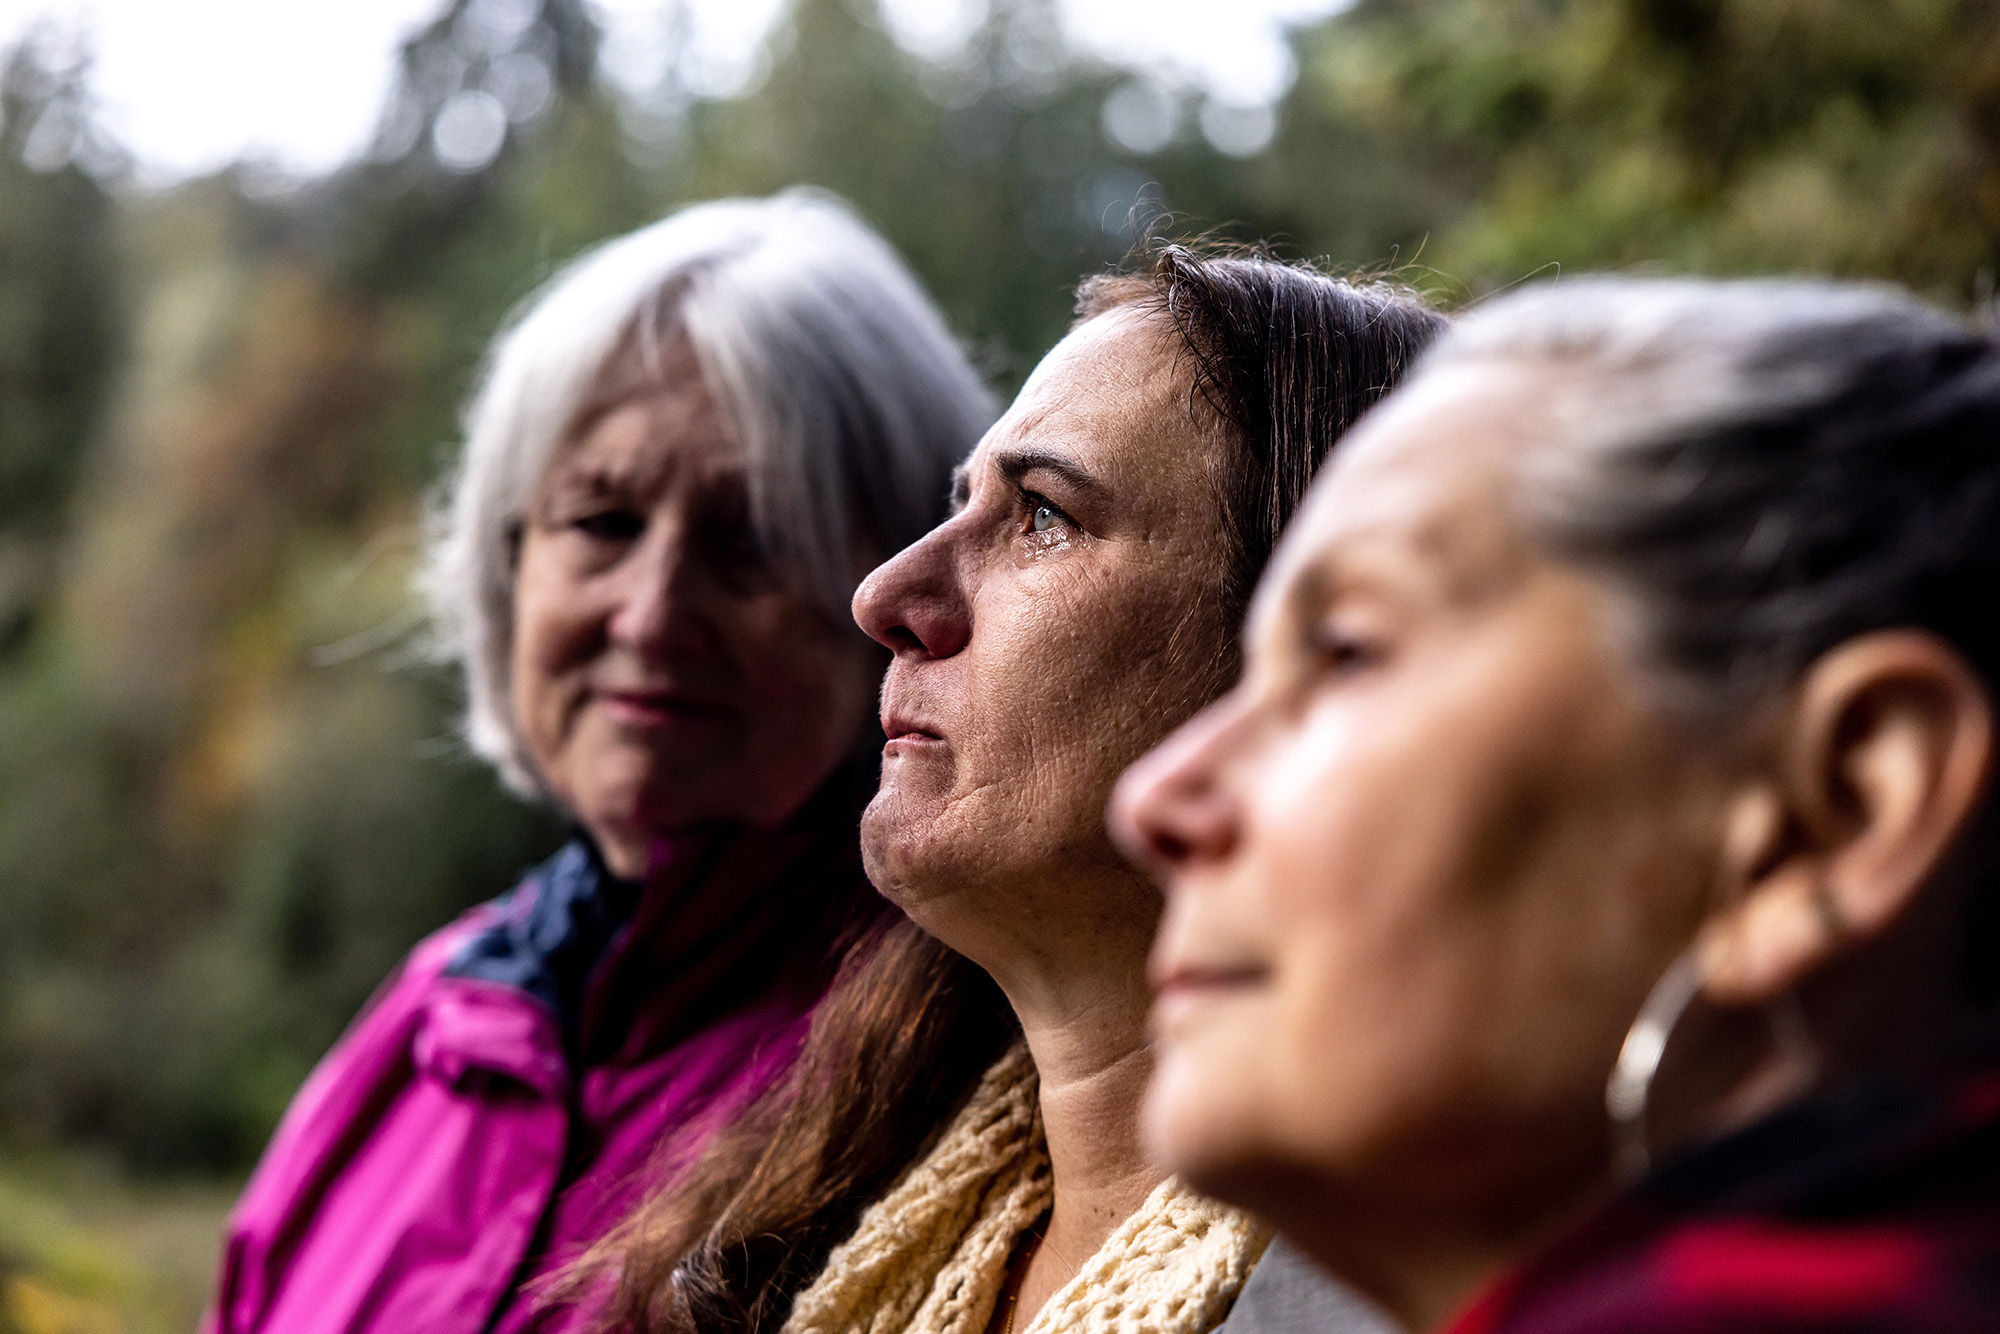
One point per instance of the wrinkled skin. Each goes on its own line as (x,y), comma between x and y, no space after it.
(664,675)
(1062,621)
(1057,625)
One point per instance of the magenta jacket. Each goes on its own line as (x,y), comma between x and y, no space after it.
(500,1103)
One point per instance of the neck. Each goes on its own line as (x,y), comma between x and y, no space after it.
(1421,1227)
(1083,1013)
(1093,1073)
(721,916)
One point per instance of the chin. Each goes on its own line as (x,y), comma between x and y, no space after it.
(1225,1148)
(635,808)
(900,852)
(1201,1121)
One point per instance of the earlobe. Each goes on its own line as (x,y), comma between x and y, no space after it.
(1884,763)
(1755,951)
(1755,935)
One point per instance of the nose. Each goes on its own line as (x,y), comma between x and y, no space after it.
(658,608)
(1175,807)
(915,602)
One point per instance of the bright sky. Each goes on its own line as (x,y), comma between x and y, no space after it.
(190,85)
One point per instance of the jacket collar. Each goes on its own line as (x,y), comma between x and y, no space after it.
(550,931)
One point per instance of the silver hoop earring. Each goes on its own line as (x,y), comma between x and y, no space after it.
(1630,1088)
(1628,1093)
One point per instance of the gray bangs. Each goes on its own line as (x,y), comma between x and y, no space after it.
(852,399)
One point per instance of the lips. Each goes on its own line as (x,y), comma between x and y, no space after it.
(1209,979)
(1188,992)
(902,720)
(660,707)
(899,727)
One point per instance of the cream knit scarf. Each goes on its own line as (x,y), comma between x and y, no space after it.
(930,1257)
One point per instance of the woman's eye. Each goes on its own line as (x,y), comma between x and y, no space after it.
(1340,653)
(1041,514)
(610,525)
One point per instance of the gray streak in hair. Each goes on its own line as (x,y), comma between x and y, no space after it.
(1765,468)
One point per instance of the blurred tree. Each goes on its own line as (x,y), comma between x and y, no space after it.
(58,312)
(224,810)
(1855,137)
(229,796)
(987,168)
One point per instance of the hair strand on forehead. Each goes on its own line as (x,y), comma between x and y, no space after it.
(853,400)
(1285,357)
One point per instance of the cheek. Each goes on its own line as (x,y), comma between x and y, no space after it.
(1356,868)
(556,632)
(1470,917)
(796,665)
(1080,675)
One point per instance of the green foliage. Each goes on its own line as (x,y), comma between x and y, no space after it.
(58,320)
(229,794)
(1848,137)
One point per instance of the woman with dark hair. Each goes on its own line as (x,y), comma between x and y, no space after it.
(956,1149)
(1617,736)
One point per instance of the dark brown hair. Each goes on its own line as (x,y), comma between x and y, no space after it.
(1282,358)
(1286,356)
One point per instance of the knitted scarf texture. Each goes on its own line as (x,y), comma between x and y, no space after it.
(930,1257)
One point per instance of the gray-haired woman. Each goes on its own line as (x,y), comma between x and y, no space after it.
(685,453)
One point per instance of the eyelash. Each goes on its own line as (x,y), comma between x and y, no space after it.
(1032,501)
(1341,654)
(615,525)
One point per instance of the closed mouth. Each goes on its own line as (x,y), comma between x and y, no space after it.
(897,728)
(1206,979)
(662,706)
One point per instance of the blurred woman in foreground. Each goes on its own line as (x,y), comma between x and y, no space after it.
(685,453)
(957,1150)
(1620,713)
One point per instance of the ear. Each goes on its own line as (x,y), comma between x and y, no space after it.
(1880,766)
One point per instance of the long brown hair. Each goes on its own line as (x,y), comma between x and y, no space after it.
(1284,357)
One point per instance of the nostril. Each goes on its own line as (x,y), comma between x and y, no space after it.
(930,627)
(1166,848)
(900,637)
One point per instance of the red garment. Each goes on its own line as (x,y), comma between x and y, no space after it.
(498,1106)
(1872,1209)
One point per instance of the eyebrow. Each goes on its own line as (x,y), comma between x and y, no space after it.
(594,478)
(1014,464)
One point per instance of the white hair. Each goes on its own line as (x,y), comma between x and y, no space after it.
(1672,354)
(1763,467)
(851,397)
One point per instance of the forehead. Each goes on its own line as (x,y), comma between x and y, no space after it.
(1430,477)
(651,415)
(1113,395)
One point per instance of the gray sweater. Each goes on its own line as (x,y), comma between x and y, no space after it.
(1289,1294)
